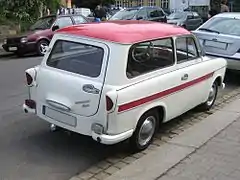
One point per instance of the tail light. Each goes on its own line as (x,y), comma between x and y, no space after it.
(30,103)
(29,79)
(109,103)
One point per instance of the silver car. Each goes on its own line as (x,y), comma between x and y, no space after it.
(220,36)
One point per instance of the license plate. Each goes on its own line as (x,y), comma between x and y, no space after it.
(12,48)
(59,116)
(215,44)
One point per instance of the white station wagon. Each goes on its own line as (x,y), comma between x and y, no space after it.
(120,80)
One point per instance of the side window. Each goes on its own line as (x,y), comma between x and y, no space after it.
(63,21)
(142,14)
(79,19)
(150,56)
(186,49)
(154,13)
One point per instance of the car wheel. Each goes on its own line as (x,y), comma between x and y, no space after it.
(211,98)
(42,47)
(145,130)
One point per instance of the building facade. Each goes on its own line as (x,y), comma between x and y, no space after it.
(172,5)
(132,3)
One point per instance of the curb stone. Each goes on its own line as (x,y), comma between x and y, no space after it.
(173,128)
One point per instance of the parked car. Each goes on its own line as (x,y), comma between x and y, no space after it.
(188,20)
(83,85)
(40,34)
(220,36)
(141,13)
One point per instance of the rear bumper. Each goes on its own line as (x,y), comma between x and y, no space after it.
(84,127)
(233,63)
(21,47)
(112,139)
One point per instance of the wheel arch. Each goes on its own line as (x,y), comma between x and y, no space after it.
(43,38)
(160,108)
(219,80)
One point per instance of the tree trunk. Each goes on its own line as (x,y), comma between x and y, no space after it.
(215,5)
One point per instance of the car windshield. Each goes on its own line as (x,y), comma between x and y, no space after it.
(229,26)
(176,16)
(126,14)
(43,23)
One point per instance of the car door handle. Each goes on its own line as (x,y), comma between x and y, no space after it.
(89,88)
(184,77)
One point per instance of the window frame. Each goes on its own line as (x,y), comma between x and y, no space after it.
(189,59)
(173,64)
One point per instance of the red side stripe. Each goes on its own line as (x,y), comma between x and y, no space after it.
(162,94)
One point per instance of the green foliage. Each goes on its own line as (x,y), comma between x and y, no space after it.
(92,3)
(25,12)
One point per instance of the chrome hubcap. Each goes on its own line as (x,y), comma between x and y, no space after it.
(146,131)
(43,48)
(212,95)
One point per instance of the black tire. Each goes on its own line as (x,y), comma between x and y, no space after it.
(211,99)
(135,143)
(40,45)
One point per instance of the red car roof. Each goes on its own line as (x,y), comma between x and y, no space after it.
(125,32)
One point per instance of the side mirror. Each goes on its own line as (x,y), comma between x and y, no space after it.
(139,18)
(55,27)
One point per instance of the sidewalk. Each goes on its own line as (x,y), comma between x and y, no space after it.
(210,150)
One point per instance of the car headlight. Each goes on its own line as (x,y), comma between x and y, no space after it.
(5,41)
(24,40)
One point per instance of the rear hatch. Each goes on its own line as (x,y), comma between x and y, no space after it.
(71,78)
(219,44)
(220,35)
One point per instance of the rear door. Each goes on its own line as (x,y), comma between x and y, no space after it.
(71,77)
(220,36)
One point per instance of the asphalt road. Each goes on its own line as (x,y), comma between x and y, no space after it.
(28,150)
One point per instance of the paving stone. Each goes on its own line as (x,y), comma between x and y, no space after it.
(75,178)
(120,165)
(85,176)
(103,165)
(129,159)
(111,170)
(218,159)
(94,169)
(102,176)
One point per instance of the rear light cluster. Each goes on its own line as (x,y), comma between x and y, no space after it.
(29,79)
(109,103)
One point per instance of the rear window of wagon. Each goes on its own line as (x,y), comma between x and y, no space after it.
(77,58)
